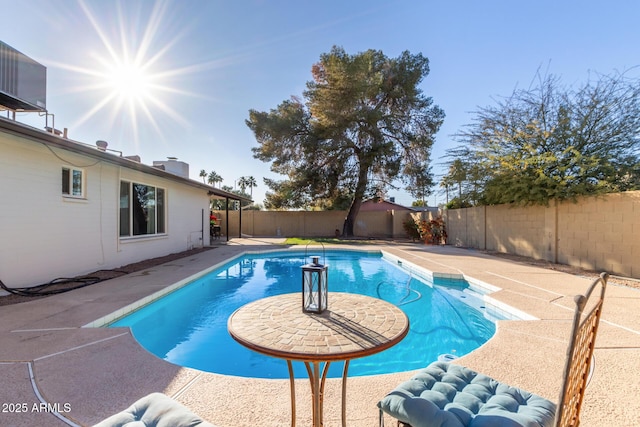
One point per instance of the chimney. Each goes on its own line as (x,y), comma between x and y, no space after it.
(102,145)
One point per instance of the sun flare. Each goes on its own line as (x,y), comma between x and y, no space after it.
(129,81)
(132,75)
(129,75)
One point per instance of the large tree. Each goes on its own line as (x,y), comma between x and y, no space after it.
(553,142)
(364,123)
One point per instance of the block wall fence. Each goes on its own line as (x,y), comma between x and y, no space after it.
(595,233)
(386,224)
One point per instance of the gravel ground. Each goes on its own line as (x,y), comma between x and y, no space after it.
(131,268)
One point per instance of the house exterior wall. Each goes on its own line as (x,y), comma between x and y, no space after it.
(382,205)
(45,235)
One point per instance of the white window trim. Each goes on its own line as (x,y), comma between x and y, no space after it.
(156,235)
(83,185)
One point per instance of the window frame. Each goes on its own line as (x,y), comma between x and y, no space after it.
(129,229)
(69,182)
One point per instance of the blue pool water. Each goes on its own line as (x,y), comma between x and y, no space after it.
(189,326)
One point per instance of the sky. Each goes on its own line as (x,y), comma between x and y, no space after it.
(177,78)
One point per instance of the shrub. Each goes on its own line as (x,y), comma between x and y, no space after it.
(412,228)
(432,232)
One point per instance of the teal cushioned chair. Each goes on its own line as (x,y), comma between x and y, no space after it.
(154,410)
(449,395)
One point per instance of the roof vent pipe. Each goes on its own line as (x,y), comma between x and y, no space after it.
(102,145)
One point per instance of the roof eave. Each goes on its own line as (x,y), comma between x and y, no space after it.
(50,139)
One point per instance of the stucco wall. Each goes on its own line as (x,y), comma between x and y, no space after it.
(46,235)
(599,233)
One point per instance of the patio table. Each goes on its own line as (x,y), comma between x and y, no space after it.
(353,326)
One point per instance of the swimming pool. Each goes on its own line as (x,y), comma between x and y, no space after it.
(189,326)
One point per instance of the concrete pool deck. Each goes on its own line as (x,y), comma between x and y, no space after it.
(86,374)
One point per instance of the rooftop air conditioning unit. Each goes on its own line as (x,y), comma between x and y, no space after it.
(23,81)
(172,165)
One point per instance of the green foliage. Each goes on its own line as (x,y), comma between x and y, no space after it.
(412,228)
(213,178)
(210,178)
(364,123)
(458,203)
(551,142)
(285,195)
(234,205)
(247,181)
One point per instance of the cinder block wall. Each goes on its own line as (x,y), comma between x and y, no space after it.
(314,223)
(466,227)
(516,230)
(599,233)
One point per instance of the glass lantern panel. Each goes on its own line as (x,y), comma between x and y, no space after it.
(314,289)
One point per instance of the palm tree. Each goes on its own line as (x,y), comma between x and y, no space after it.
(242,183)
(214,177)
(203,175)
(251,182)
(458,174)
(446,182)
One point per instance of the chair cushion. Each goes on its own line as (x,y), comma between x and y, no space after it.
(154,410)
(449,395)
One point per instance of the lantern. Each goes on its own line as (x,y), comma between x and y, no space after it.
(314,286)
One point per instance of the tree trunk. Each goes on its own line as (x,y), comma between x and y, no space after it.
(361,186)
(350,220)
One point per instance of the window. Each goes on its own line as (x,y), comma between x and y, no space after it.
(142,209)
(72,182)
